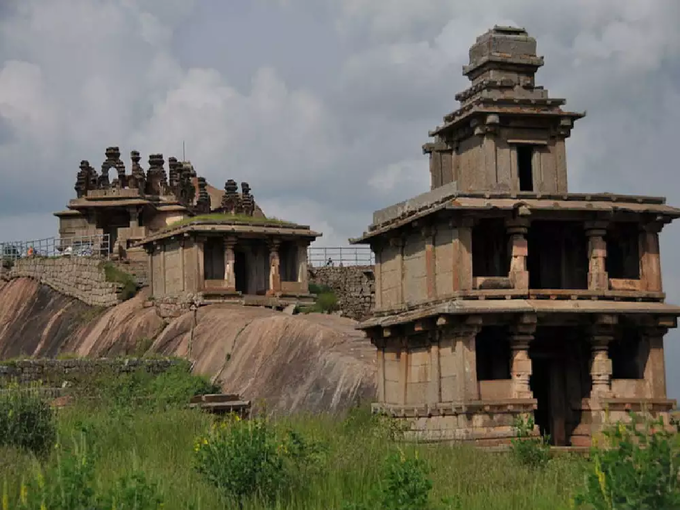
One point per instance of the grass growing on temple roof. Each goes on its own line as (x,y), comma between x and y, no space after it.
(239,218)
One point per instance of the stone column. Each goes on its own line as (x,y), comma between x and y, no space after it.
(517,230)
(601,335)
(522,334)
(434,390)
(428,233)
(274,268)
(377,248)
(462,255)
(655,366)
(200,262)
(466,335)
(597,255)
(229,264)
(650,257)
(134,217)
(303,272)
(398,243)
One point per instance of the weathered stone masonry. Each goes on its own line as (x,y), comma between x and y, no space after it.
(78,277)
(354,286)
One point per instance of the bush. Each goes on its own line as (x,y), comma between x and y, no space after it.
(529,451)
(26,421)
(115,275)
(243,459)
(638,468)
(407,486)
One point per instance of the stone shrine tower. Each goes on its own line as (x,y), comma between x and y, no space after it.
(499,294)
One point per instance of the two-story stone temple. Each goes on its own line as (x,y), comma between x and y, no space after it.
(500,294)
(194,241)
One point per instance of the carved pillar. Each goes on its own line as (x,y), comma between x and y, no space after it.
(650,257)
(377,247)
(466,335)
(134,217)
(597,255)
(434,390)
(517,230)
(182,242)
(428,233)
(229,264)
(655,366)
(601,335)
(303,272)
(380,372)
(521,336)
(398,243)
(200,262)
(462,255)
(274,268)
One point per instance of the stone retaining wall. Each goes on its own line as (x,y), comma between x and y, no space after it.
(79,277)
(55,372)
(354,286)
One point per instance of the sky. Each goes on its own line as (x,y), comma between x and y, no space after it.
(321,105)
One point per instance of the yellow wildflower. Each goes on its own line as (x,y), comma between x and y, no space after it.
(23,493)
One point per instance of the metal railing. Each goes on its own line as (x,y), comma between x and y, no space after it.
(340,256)
(77,246)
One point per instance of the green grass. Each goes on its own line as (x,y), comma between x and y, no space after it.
(229,218)
(117,275)
(160,443)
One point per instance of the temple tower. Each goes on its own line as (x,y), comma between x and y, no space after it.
(499,294)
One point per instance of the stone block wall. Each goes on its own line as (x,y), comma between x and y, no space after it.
(78,277)
(354,286)
(55,372)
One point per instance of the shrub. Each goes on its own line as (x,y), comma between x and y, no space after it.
(115,275)
(529,451)
(638,468)
(26,421)
(407,486)
(242,459)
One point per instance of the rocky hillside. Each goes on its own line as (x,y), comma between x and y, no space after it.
(289,363)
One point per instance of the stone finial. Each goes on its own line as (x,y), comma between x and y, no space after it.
(137,178)
(174,171)
(86,179)
(247,200)
(112,161)
(230,200)
(157,181)
(203,203)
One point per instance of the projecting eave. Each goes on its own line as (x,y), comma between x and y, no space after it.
(236,228)
(520,306)
(606,204)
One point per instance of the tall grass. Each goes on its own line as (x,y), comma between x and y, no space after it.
(160,443)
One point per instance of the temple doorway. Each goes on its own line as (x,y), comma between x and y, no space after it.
(560,380)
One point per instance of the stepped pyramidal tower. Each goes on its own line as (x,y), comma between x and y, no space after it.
(499,294)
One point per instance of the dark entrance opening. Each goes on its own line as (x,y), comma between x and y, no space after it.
(213,259)
(623,251)
(490,248)
(525,169)
(558,255)
(241,272)
(560,379)
(493,354)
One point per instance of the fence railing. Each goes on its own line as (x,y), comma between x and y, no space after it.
(340,256)
(80,246)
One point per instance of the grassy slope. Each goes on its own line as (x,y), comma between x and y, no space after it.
(239,218)
(161,444)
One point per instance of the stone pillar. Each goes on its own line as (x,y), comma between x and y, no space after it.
(380,372)
(521,336)
(377,248)
(428,233)
(229,264)
(398,243)
(434,390)
(182,241)
(462,255)
(274,268)
(200,262)
(650,258)
(655,366)
(466,335)
(517,230)
(134,217)
(597,255)
(601,335)
(303,272)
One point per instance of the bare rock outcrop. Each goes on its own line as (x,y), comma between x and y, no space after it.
(287,363)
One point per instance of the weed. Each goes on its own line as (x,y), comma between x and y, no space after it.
(528,450)
(116,275)
(26,421)
(407,486)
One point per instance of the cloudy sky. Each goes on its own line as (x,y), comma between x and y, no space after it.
(322,105)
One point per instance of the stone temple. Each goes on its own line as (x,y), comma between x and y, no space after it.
(499,294)
(195,242)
